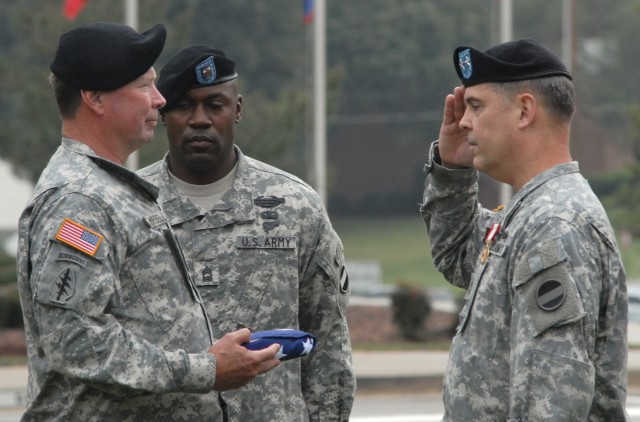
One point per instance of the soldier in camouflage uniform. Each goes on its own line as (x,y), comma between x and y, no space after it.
(115,329)
(542,334)
(258,242)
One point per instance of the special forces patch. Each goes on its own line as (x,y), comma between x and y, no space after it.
(464,61)
(551,295)
(63,287)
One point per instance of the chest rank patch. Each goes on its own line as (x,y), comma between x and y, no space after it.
(63,287)
(551,295)
(79,237)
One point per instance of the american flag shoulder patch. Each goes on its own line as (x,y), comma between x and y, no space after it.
(79,237)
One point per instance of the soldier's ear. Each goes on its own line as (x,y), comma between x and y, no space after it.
(93,100)
(528,109)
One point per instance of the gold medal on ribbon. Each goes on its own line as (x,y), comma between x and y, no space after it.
(489,239)
(485,253)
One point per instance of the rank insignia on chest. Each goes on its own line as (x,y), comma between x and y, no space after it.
(489,240)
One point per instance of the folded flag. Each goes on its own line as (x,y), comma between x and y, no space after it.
(293,343)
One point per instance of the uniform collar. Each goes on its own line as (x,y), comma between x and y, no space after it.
(235,206)
(533,184)
(110,166)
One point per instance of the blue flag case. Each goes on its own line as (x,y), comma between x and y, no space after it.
(293,343)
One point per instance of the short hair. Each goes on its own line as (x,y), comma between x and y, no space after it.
(67,97)
(556,94)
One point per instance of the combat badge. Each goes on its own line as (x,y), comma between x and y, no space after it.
(269,225)
(79,237)
(489,240)
(268,201)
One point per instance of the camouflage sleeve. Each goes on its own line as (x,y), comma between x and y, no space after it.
(328,380)
(73,298)
(556,322)
(453,217)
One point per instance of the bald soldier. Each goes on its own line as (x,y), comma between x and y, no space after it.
(542,335)
(258,241)
(115,328)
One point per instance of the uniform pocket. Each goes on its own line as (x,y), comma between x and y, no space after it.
(270,295)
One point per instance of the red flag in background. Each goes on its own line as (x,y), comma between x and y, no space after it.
(307,7)
(72,8)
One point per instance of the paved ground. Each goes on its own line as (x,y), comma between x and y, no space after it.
(377,372)
(397,372)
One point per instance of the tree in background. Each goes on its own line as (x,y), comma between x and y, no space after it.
(389,67)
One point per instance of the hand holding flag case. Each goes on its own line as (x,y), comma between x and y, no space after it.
(293,343)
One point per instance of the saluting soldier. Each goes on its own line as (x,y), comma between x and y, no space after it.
(258,241)
(542,335)
(116,330)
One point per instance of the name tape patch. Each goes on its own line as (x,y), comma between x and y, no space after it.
(266,242)
(154,220)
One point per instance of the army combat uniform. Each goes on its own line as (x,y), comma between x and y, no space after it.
(114,331)
(265,257)
(542,335)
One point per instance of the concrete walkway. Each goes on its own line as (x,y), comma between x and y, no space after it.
(392,372)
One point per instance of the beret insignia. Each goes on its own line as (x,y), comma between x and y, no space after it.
(206,71)
(464,61)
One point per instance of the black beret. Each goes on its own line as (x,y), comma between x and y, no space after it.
(105,56)
(194,67)
(507,62)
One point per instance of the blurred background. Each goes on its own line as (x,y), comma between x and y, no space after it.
(389,65)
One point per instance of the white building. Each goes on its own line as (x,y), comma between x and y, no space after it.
(15,193)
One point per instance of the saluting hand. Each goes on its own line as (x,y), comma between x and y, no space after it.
(454,149)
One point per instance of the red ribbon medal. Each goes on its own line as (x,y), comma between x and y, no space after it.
(489,239)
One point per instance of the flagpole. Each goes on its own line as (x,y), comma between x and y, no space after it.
(506,34)
(131,19)
(319,96)
(568,11)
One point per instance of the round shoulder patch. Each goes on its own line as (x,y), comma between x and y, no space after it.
(551,295)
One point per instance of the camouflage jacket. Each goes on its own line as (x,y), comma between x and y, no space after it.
(265,257)
(542,335)
(114,331)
